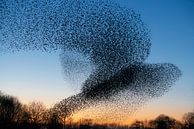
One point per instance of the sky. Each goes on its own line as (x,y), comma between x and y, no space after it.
(38,76)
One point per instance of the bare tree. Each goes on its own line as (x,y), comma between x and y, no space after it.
(10,108)
(188,120)
(62,110)
(37,112)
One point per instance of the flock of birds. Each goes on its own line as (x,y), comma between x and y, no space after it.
(113,38)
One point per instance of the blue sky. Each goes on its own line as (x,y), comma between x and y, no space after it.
(39,76)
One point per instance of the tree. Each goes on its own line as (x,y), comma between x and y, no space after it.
(37,112)
(10,109)
(188,120)
(22,117)
(163,122)
(137,125)
(54,120)
(63,109)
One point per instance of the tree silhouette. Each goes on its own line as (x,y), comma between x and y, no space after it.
(163,122)
(137,125)
(54,118)
(10,109)
(36,112)
(63,110)
(15,115)
(188,119)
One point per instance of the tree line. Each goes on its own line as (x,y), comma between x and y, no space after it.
(15,115)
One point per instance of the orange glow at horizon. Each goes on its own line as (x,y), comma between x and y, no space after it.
(111,114)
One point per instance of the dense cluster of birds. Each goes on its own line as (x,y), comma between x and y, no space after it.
(111,38)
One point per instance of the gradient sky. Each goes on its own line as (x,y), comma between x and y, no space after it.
(38,75)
